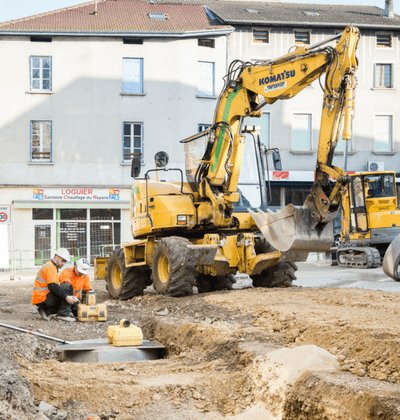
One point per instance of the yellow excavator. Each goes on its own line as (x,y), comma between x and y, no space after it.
(188,234)
(370,220)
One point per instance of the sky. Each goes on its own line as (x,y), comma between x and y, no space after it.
(16,9)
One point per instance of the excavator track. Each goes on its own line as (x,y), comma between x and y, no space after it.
(358,257)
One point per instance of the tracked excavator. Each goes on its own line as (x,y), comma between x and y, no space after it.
(188,234)
(370,220)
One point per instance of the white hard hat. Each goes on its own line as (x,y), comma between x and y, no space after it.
(63,253)
(83,265)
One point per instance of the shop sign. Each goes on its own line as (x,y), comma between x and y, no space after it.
(76,194)
(5,215)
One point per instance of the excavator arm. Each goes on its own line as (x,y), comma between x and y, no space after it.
(293,227)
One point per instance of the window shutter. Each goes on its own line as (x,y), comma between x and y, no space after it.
(206,79)
(132,75)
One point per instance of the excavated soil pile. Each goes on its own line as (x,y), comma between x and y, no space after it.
(249,354)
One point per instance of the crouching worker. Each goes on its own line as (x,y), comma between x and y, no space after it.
(78,277)
(48,294)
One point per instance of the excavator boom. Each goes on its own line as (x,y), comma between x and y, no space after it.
(306,228)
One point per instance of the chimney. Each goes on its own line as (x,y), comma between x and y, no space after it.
(389,9)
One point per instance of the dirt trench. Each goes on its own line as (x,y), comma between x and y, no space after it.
(223,353)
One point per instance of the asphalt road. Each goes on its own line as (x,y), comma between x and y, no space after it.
(322,274)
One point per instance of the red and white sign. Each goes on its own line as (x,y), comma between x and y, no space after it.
(5,215)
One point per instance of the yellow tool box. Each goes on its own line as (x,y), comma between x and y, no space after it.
(125,334)
(90,310)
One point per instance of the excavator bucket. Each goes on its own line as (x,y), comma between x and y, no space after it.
(391,260)
(293,229)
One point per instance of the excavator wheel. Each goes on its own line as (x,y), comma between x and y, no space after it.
(124,283)
(207,283)
(171,276)
(280,275)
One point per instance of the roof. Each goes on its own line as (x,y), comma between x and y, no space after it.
(295,14)
(122,16)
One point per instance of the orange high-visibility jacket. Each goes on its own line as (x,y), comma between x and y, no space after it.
(79,283)
(47,274)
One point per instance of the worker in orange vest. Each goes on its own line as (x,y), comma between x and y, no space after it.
(79,278)
(49,295)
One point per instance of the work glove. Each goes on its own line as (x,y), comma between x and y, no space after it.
(72,299)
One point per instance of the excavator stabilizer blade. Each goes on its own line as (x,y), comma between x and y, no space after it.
(391,260)
(292,229)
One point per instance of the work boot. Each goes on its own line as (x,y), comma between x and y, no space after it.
(65,318)
(42,314)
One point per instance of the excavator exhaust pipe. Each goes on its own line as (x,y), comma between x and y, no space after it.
(391,260)
(294,229)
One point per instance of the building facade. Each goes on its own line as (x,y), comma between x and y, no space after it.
(85,93)
(89,87)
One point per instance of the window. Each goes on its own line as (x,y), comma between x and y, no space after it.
(40,141)
(203,42)
(301,135)
(260,37)
(40,73)
(383,133)
(133,141)
(137,41)
(42,214)
(206,79)
(40,39)
(157,16)
(264,122)
(384,41)
(132,75)
(301,37)
(383,76)
(203,127)
(296,195)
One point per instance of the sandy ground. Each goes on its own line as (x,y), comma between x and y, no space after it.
(325,352)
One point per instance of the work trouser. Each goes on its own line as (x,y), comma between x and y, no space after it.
(55,304)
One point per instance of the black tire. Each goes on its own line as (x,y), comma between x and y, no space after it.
(171,276)
(280,275)
(207,283)
(124,283)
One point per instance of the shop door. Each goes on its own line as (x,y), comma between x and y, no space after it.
(42,243)
(72,232)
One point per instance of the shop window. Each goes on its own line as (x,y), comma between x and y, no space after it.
(383,133)
(295,195)
(206,78)
(274,196)
(301,134)
(42,214)
(72,214)
(41,139)
(383,76)
(132,141)
(102,214)
(132,80)
(40,73)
